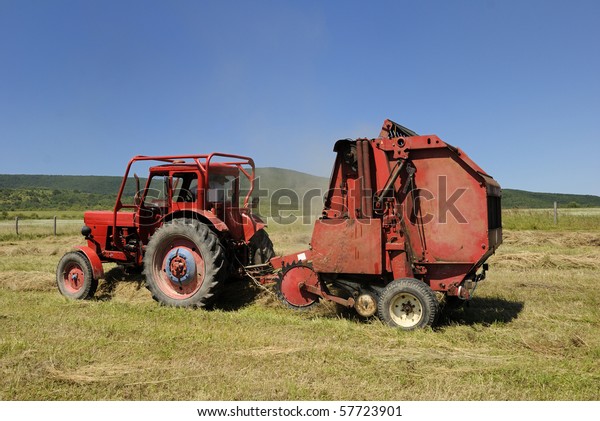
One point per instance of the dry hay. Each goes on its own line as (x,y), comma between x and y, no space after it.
(238,293)
(529,260)
(16,250)
(93,373)
(559,239)
(122,286)
(27,281)
(550,250)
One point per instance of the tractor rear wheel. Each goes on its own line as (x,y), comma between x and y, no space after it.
(74,277)
(408,304)
(184,264)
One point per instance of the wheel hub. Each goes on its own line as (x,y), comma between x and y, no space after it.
(180,265)
(406,310)
(366,304)
(74,279)
(291,285)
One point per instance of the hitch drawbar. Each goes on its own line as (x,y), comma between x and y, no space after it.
(467,290)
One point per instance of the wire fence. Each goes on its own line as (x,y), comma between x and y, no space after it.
(54,226)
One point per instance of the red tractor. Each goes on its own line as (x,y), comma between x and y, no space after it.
(408,222)
(188,229)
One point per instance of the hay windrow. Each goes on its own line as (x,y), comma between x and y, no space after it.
(27,281)
(559,239)
(550,250)
(528,260)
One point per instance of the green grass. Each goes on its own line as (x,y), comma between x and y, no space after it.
(577,219)
(38,228)
(531,333)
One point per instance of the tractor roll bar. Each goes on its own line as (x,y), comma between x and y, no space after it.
(239,160)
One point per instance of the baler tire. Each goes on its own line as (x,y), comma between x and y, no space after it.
(415,297)
(71,267)
(209,257)
(261,248)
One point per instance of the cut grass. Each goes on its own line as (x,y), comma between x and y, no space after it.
(531,333)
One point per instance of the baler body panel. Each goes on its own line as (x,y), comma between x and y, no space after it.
(424,209)
(360,252)
(448,216)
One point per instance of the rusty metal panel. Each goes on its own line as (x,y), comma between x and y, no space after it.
(447,214)
(347,246)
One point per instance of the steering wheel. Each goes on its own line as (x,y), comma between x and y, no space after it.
(186,196)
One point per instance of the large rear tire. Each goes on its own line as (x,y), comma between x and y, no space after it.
(408,304)
(184,264)
(74,277)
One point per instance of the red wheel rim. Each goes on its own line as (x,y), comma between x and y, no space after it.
(290,286)
(178,290)
(73,278)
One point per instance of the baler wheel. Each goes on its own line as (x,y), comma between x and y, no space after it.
(289,289)
(74,277)
(184,264)
(408,304)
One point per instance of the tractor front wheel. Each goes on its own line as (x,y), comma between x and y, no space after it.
(408,304)
(74,277)
(183,264)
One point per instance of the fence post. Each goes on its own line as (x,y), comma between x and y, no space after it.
(55,225)
(17,224)
(555,213)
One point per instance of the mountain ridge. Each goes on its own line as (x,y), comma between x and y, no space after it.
(89,188)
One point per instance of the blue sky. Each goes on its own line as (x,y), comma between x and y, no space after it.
(85,85)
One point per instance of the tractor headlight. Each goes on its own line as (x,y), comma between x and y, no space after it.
(86,231)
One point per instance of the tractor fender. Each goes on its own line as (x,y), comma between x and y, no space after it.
(251,224)
(94,259)
(201,215)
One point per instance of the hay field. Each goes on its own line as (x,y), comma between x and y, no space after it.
(531,333)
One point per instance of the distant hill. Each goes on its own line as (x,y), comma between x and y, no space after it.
(269,178)
(533,200)
(78,183)
(66,192)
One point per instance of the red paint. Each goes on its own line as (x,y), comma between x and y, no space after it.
(433,224)
(181,290)
(97,269)
(73,278)
(121,235)
(347,246)
(400,205)
(293,282)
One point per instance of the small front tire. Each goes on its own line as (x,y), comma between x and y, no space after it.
(74,277)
